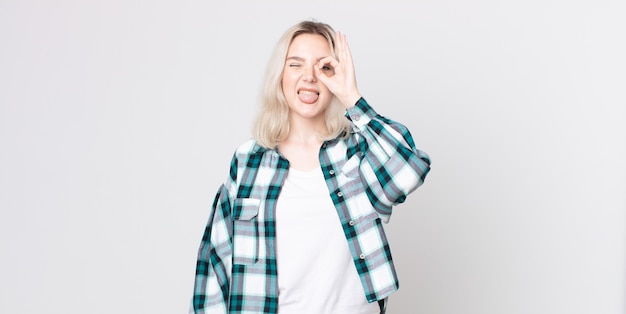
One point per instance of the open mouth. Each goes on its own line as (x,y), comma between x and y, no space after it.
(308,96)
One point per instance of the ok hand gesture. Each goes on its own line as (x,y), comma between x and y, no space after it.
(342,80)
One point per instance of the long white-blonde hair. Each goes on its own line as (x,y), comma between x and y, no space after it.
(272,123)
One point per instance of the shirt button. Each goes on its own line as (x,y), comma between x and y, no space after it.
(362,256)
(351,222)
(339,194)
(331,172)
(357,117)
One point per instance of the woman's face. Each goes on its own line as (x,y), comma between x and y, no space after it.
(306,96)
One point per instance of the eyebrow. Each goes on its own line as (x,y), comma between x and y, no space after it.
(302,59)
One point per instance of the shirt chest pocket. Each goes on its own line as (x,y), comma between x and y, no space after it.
(349,178)
(246,231)
(350,169)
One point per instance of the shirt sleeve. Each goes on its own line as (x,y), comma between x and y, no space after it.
(213,267)
(391,166)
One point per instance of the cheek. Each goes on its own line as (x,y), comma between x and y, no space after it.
(288,81)
(290,84)
(325,91)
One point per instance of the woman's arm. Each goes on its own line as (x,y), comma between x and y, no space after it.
(214,263)
(391,165)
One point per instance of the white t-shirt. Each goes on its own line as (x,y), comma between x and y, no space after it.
(316,273)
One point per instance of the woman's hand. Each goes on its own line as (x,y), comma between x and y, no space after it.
(340,78)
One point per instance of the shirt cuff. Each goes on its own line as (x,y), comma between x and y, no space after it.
(360,114)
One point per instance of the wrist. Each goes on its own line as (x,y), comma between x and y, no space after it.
(350,100)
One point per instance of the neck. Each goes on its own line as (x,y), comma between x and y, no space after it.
(302,137)
(306,131)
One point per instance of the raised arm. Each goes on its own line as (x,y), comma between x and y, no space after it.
(391,165)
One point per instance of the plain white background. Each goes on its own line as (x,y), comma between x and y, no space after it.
(118,120)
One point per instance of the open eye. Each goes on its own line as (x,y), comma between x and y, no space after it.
(328,69)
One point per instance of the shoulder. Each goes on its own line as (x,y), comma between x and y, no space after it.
(249,157)
(249,147)
(239,164)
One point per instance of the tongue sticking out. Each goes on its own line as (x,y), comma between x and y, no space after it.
(307,97)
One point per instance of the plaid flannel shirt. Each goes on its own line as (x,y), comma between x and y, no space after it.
(367,173)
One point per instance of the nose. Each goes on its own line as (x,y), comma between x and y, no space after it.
(309,75)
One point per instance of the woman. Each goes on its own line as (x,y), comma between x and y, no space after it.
(297,226)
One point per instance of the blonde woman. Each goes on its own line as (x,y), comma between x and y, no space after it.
(297,226)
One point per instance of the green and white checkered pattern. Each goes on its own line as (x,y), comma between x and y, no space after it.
(376,167)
